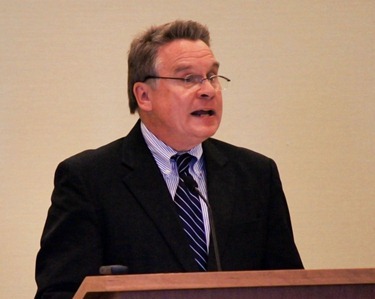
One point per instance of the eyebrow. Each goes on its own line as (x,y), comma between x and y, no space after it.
(182,68)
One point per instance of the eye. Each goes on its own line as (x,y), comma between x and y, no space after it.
(193,79)
(189,79)
(212,78)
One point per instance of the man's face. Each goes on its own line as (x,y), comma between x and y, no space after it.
(182,116)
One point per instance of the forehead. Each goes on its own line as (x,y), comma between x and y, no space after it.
(181,55)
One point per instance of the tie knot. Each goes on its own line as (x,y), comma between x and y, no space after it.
(183,162)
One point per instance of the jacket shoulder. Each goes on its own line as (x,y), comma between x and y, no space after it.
(234,153)
(97,158)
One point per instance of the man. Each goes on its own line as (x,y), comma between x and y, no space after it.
(120,204)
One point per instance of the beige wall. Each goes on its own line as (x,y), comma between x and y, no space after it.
(303,93)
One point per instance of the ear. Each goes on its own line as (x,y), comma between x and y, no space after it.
(142,94)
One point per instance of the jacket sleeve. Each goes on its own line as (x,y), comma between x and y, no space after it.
(71,232)
(281,252)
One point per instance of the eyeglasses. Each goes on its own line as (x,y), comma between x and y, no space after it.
(217,81)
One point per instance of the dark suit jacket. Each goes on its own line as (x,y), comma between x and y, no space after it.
(112,206)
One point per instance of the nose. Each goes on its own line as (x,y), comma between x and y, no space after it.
(206,90)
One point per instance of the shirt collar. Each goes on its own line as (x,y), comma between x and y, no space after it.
(162,153)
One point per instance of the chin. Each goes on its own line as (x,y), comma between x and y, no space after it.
(206,133)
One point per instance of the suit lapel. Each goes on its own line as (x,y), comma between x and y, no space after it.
(145,181)
(220,193)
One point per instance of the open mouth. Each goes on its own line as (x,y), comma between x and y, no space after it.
(203,113)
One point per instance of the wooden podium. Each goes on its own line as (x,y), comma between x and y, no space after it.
(306,284)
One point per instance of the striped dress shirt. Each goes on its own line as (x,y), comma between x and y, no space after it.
(162,154)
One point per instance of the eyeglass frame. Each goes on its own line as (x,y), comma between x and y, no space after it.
(185,79)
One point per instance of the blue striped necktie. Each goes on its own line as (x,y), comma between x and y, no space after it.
(189,209)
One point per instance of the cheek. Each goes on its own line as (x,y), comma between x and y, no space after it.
(179,103)
(170,110)
(219,106)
